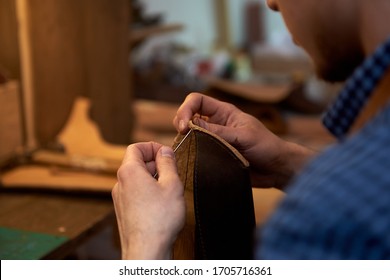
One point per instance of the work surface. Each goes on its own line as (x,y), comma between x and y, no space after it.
(49,226)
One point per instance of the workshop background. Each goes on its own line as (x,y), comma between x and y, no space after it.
(81,80)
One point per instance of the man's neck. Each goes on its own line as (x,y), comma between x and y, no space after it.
(374,27)
(374,30)
(379,99)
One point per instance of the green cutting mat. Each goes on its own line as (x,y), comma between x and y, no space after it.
(26,245)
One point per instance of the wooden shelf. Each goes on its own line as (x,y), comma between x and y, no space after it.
(137,35)
(257,92)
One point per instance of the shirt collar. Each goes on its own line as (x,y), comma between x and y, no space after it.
(357,90)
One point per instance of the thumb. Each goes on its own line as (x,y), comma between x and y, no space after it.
(166,165)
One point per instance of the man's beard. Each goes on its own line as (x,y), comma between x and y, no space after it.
(337,63)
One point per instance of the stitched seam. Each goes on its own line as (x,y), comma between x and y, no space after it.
(224,143)
(188,160)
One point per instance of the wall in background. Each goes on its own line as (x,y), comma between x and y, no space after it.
(198,18)
(275,30)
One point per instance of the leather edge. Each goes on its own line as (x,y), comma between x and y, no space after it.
(193,126)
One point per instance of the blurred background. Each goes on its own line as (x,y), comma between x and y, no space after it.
(82,79)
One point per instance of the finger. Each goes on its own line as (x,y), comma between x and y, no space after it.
(138,161)
(141,152)
(204,105)
(166,167)
(151,167)
(114,191)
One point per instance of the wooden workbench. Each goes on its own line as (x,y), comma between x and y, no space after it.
(49,225)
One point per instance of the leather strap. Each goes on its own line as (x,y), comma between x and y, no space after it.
(220,212)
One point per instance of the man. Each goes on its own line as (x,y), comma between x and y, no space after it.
(338,204)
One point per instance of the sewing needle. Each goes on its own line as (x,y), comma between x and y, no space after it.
(177,147)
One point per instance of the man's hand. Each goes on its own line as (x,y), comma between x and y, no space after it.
(273,160)
(150,212)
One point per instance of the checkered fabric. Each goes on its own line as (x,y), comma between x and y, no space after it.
(339,207)
(343,112)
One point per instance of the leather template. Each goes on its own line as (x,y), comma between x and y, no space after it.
(220,219)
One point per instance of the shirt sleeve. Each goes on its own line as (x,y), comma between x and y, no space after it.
(334,210)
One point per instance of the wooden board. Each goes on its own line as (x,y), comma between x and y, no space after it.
(61,221)
(89,164)
(10,120)
(107,69)
(9,50)
(80,49)
(40,178)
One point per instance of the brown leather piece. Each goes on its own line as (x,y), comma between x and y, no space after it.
(220,219)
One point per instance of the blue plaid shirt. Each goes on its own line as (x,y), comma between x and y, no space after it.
(339,207)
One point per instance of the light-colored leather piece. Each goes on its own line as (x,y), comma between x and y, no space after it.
(185,157)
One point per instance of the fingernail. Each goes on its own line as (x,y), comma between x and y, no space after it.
(201,123)
(182,125)
(167,152)
(196,121)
